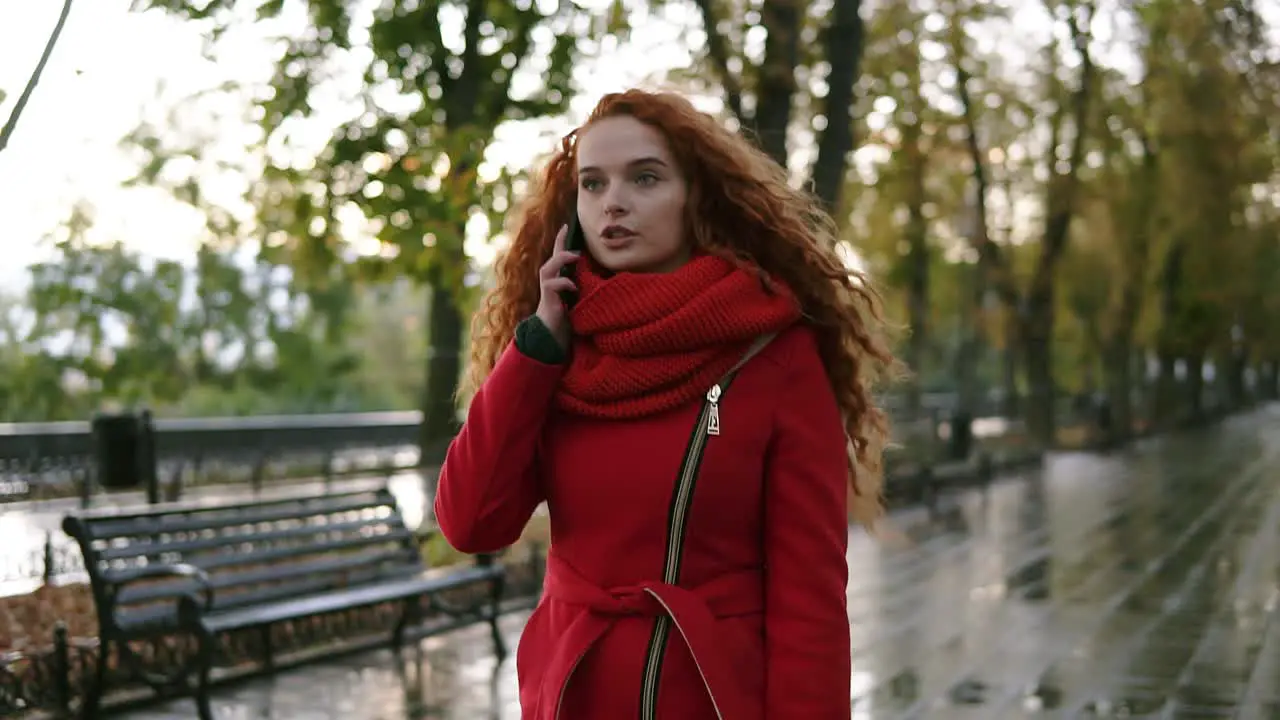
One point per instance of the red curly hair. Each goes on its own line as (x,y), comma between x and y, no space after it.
(739,191)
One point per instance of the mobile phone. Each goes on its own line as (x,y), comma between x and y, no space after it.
(573,242)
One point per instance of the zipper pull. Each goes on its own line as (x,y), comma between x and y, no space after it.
(713,417)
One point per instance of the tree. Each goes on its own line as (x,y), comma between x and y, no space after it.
(758,96)
(896,72)
(843,43)
(409,158)
(1168,254)
(810,58)
(1068,111)
(101,323)
(1216,116)
(1111,279)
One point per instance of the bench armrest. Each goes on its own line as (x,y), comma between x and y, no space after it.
(151,572)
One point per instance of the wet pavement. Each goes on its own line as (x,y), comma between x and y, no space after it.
(1143,583)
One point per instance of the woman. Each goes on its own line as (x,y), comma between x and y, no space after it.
(693,423)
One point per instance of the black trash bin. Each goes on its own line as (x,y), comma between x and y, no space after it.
(117,449)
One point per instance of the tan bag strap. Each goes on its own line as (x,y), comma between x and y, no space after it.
(759,344)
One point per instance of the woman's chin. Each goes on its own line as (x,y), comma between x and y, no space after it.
(628,261)
(621,260)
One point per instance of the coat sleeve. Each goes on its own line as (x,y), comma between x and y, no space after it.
(489,485)
(807,641)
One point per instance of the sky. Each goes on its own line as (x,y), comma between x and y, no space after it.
(103,71)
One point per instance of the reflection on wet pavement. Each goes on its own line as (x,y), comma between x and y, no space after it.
(451,678)
(1138,584)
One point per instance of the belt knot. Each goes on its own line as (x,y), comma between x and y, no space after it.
(628,601)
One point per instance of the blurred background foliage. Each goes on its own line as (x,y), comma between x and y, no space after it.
(1097,213)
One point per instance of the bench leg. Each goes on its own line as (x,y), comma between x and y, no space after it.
(412,610)
(268,648)
(204,661)
(495,611)
(93,694)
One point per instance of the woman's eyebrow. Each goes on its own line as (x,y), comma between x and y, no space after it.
(649,160)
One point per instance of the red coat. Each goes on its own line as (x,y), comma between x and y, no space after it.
(758,615)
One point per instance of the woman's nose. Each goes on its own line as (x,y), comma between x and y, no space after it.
(615,202)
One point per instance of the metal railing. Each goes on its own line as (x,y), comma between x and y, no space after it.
(59,459)
(40,461)
(44,461)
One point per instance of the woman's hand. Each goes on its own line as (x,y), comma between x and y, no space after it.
(552,310)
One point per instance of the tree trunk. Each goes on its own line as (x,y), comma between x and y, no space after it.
(443,368)
(1012,407)
(1167,408)
(782,20)
(1165,403)
(1119,353)
(995,269)
(1036,332)
(1141,385)
(1237,362)
(445,323)
(967,355)
(844,53)
(718,52)
(1062,192)
(917,264)
(1195,388)
(1119,390)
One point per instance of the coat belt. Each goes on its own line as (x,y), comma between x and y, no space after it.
(694,612)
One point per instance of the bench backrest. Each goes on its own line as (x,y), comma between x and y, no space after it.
(253,552)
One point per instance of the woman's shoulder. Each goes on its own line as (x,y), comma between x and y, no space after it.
(797,344)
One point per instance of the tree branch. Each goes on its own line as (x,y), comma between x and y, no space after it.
(989,254)
(9,126)
(1061,207)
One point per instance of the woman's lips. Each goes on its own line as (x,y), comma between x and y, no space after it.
(617,242)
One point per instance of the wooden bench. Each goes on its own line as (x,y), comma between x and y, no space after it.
(201,570)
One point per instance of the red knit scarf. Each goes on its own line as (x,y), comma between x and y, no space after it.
(647,343)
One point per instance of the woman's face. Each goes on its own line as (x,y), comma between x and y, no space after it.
(631,197)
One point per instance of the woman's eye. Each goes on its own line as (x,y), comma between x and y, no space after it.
(590,184)
(646,179)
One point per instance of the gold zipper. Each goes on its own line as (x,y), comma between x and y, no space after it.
(713,420)
(715,705)
(649,688)
(675,542)
(708,425)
